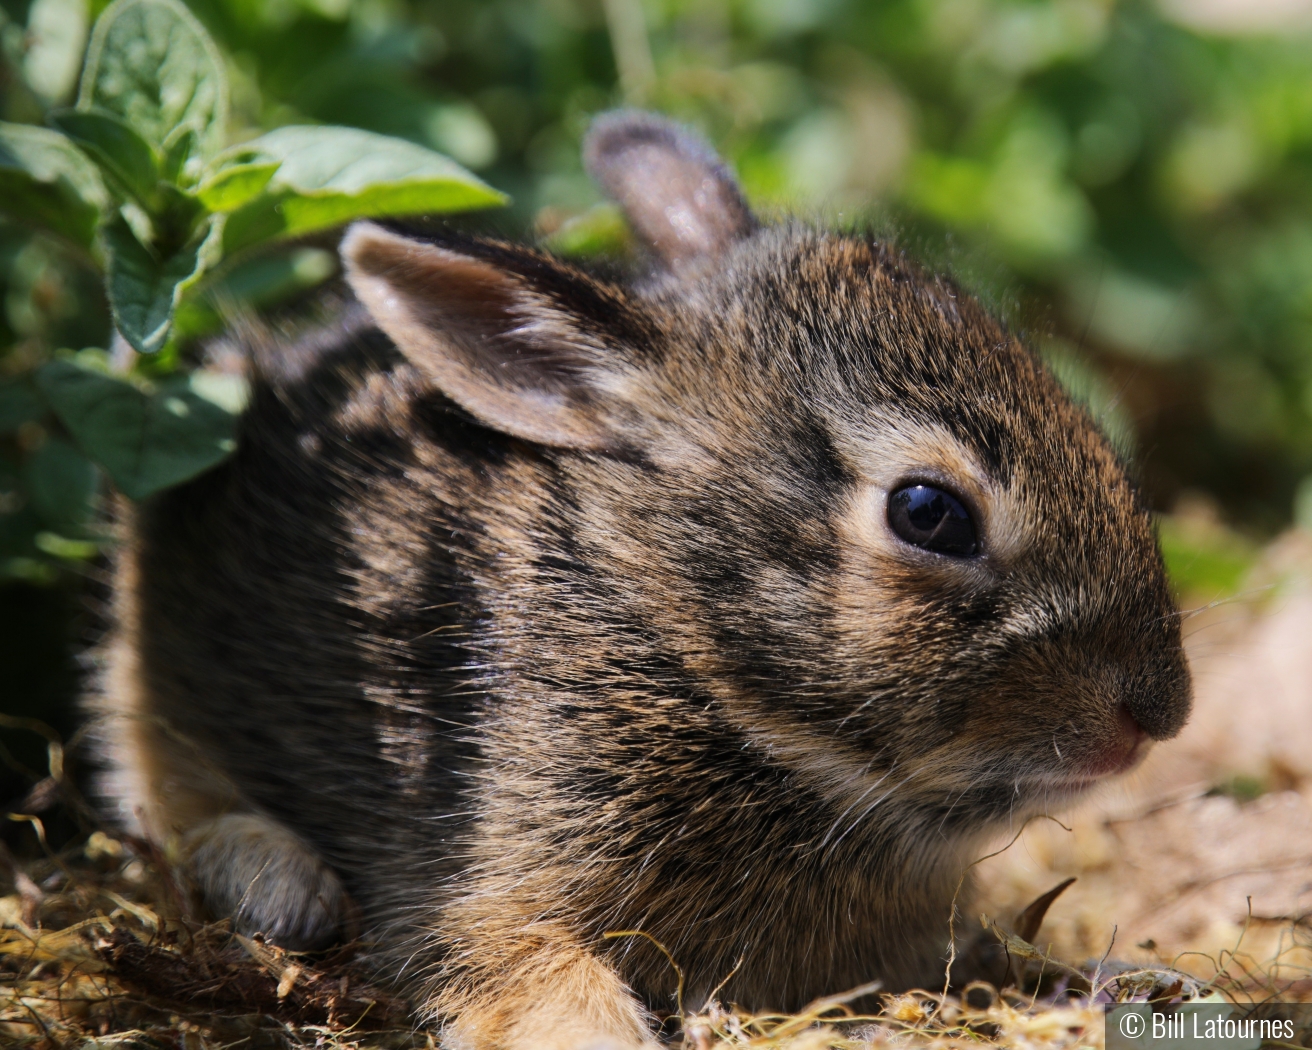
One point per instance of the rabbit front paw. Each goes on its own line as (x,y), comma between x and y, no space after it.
(267,880)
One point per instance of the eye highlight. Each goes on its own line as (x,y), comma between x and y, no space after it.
(933,520)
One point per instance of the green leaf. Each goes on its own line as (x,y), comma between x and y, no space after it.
(177,152)
(179,217)
(144,288)
(1204,560)
(260,280)
(146,439)
(601,230)
(153,64)
(62,547)
(124,156)
(18,527)
(231,187)
(328,176)
(45,179)
(19,404)
(60,483)
(230,392)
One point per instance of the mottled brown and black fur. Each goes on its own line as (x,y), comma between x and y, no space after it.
(569,607)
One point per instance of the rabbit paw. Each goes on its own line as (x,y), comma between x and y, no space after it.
(267,880)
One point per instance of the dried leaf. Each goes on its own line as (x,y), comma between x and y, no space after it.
(288,979)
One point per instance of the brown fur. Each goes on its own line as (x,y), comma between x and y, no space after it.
(573,607)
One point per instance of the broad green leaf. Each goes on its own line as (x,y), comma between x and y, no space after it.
(328,176)
(45,179)
(60,483)
(144,289)
(19,404)
(19,524)
(56,39)
(146,439)
(230,392)
(152,63)
(232,186)
(260,280)
(178,218)
(124,156)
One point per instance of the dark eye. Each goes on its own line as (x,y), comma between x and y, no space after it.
(933,520)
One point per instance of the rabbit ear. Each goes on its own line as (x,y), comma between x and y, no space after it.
(497,342)
(680,199)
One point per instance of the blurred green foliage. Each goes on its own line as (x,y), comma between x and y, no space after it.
(1206,560)
(141,180)
(1127,182)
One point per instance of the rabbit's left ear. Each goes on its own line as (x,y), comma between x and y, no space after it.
(680,199)
(513,337)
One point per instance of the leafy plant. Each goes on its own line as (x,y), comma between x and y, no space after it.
(139,175)
(1129,180)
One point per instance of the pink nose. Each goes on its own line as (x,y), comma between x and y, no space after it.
(1126,746)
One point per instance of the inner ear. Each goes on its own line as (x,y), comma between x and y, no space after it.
(679,197)
(487,338)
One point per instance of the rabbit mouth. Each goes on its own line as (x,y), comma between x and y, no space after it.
(1124,749)
(1117,753)
(1069,787)
(1066,786)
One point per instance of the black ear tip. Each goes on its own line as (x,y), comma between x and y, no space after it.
(615,133)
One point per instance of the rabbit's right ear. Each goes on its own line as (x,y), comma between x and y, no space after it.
(678,196)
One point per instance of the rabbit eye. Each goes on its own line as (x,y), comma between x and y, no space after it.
(932,520)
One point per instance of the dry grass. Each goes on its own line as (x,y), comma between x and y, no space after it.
(1194,874)
(98,949)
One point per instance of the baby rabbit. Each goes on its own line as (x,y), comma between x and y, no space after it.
(738,606)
